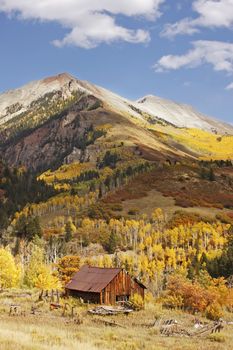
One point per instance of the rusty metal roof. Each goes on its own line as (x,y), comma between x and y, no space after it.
(92,279)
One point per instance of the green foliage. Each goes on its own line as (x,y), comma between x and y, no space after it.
(20,187)
(28,227)
(112,243)
(110,159)
(69,230)
(34,267)
(223,265)
(133,211)
(207,174)
(46,108)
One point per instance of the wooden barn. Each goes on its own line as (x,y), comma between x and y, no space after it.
(103,285)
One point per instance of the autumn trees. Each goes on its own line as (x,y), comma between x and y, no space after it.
(204,295)
(10,272)
(222,265)
(66,267)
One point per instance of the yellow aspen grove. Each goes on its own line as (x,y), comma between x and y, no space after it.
(10,273)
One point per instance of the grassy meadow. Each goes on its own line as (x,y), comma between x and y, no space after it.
(50,330)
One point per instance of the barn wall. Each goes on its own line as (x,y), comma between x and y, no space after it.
(121,285)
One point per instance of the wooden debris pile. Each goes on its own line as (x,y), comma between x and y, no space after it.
(209,329)
(172,328)
(109,310)
(16,310)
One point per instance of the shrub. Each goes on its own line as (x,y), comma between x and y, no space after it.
(214,312)
(194,297)
(173,301)
(133,211)
(224,218)
(137,301)
(116,207)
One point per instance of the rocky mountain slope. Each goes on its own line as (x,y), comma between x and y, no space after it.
(61,119)
(63,87)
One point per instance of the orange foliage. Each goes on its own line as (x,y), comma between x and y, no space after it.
(67,266)
(195,297)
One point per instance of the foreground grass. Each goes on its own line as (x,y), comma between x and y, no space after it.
(49,330)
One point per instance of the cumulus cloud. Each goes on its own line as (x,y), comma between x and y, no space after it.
(218,54)
(90,22)
(211,14)
(229,87)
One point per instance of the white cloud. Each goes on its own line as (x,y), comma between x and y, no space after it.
(211,14)
(90,22)
(218,54)
(229,87)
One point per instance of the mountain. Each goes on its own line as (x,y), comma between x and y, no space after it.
(14,103)
(182,115)
(47,123)
(71,148)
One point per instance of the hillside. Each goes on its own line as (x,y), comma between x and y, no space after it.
(45,117)
(77,138)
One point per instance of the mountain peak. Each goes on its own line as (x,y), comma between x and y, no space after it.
(16,102)
(62,78)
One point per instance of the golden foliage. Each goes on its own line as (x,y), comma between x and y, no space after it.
(208,145)
(10,273)
(65,172)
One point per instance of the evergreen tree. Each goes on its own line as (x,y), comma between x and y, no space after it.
(28,227)
(112,243)
(211,175)
(223,266)
(68,231)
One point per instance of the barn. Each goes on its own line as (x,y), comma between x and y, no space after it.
(104,285)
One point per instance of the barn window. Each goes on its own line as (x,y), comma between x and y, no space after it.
(122,297)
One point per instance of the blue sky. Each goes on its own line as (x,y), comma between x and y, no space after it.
(181,50)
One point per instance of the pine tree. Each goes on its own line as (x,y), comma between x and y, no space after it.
(112,243)
(68,231)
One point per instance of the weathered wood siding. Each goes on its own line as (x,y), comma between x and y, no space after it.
(121,286)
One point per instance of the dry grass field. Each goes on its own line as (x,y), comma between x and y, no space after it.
(49,330)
